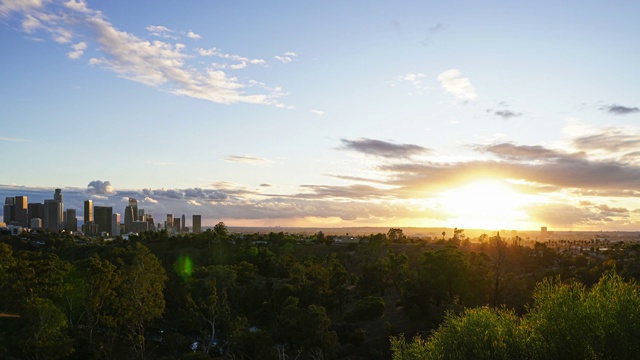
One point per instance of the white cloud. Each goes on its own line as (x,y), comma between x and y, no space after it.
(162,63)
(286,57)
(453,83)
(78,50)
(194,203)
(317,112)
(150,200)
(415,79)
(161,31)
(193,35)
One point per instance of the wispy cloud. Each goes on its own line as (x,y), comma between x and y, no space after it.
(383,148)
(286,57)
(503,113)
(453,83)
(317,112)
(163,63)
(247,159)
(619,109)
(14,139)
(414,79)
(193,35)
(78,50)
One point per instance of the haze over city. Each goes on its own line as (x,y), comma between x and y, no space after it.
(501,115)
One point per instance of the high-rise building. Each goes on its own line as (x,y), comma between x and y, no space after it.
(52,215)
(151,225)
(36,211)
(134,205)
(176,225)
(70,220)
(129,218)
(20,211)
(88,211)
(169,224)
(115,224)
(102,217)
(7,210)
(35,223)
(197,224)
(141,215)
(184,224)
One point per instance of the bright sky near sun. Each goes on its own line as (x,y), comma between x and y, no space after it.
(469,114)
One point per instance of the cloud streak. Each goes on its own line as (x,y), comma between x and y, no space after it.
(165,64)
(382,148)
(619,109)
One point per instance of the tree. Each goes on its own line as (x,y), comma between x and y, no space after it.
(566,321)
(140,296)
(44,335)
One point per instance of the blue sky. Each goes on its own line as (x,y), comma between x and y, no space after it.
(471,114)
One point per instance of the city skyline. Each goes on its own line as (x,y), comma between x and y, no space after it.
(505,115)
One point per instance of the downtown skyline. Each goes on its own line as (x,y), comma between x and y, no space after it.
(328,114)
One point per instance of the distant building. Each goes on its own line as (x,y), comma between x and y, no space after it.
(35,223)
(134,205)
(184,224)
(169,222)
(197,224)
(20,212)
(7,210)
(88,211)
(129,218)
(52,215)
(70,220)
(141,215)
(115,224)
(103,218)
(176,225)
(138,227)
(35,211)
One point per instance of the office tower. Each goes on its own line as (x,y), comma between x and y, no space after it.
(7,210)
(20,213)
(176,225)
(134,205)
(197,224)
(139,227)
(184,224)
(88,211)
(129,218)
(115,224)
(36,211)
(169,224)
(52,215)
(151,225)
(102,217)
(71,220)
(141,215)
(57,196)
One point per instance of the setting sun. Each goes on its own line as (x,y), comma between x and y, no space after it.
(489,204)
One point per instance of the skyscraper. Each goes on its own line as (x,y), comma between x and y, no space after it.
(115,224)
(184,224)
(88,211)
(20,211)
(129,218)
(7,210)
(197,224)
(36,211)
(71,220)
(134,205)
(103,218)
(52,215)
(169,224)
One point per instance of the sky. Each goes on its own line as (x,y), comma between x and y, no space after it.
(468,114)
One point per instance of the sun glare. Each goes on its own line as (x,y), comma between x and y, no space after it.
(486,204)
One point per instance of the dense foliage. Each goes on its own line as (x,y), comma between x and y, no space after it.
(285,296)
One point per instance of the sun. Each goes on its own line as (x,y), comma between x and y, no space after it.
(486,204)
